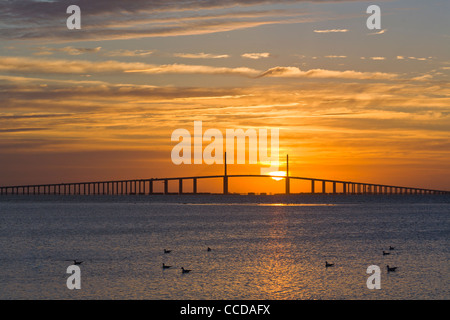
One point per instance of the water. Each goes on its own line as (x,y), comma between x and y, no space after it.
(263,247)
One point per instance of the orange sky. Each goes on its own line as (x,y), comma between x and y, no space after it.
(102,104)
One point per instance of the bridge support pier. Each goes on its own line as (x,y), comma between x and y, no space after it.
(225,176)
(288,180)
(288,186)
(150,186)
(225,185)
(194,186)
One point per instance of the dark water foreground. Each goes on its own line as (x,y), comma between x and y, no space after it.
(262,247)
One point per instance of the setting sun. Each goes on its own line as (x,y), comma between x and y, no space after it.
(277,174)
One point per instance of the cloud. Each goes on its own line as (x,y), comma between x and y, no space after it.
(336,57)
(107,20)
(424,77)
(377,58)
(363,118)
(179,28)
(201,55)
(378,32)
(67,50)
(294,72)
(256,56)
(55,66)
(331,31)
(21,130)
(45,66)
(413,58)
(128,53)
(46,9)
(419,59)
(195,69)
(89,96)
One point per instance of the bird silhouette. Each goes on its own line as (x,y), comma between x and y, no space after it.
(166,267)
(391,248)
(209,249)
(75,262)
(386,253)
(167,251)
(328,264)
(183,270)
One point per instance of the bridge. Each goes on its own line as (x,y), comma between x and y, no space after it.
(146,186)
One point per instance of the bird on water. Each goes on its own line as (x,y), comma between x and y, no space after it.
(183,270)
(166,267)
(167,251)
(75,262)
(328,264)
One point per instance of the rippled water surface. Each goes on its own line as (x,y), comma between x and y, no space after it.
(263,247)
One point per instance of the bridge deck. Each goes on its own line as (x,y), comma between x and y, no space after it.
(146,186)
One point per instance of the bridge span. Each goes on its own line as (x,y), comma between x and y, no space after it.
(147,186)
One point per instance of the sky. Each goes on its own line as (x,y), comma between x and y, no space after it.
(101,102)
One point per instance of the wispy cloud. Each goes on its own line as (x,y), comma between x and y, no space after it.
(194,69)
(256,56)
(67,50)
(128,53)
(424,77)
(113,19)
(378,58)
(102,117)
(21,130)
(335,57)
(294,72)
(54,66)
(201,55)
(378,32)
(413,58)
(418,59)
(61,66)
(331,31)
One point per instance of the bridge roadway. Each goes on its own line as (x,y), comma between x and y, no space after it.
(146,186)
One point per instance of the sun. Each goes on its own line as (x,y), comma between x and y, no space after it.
(276,174)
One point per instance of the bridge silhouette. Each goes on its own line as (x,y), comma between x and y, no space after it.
(146,186)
